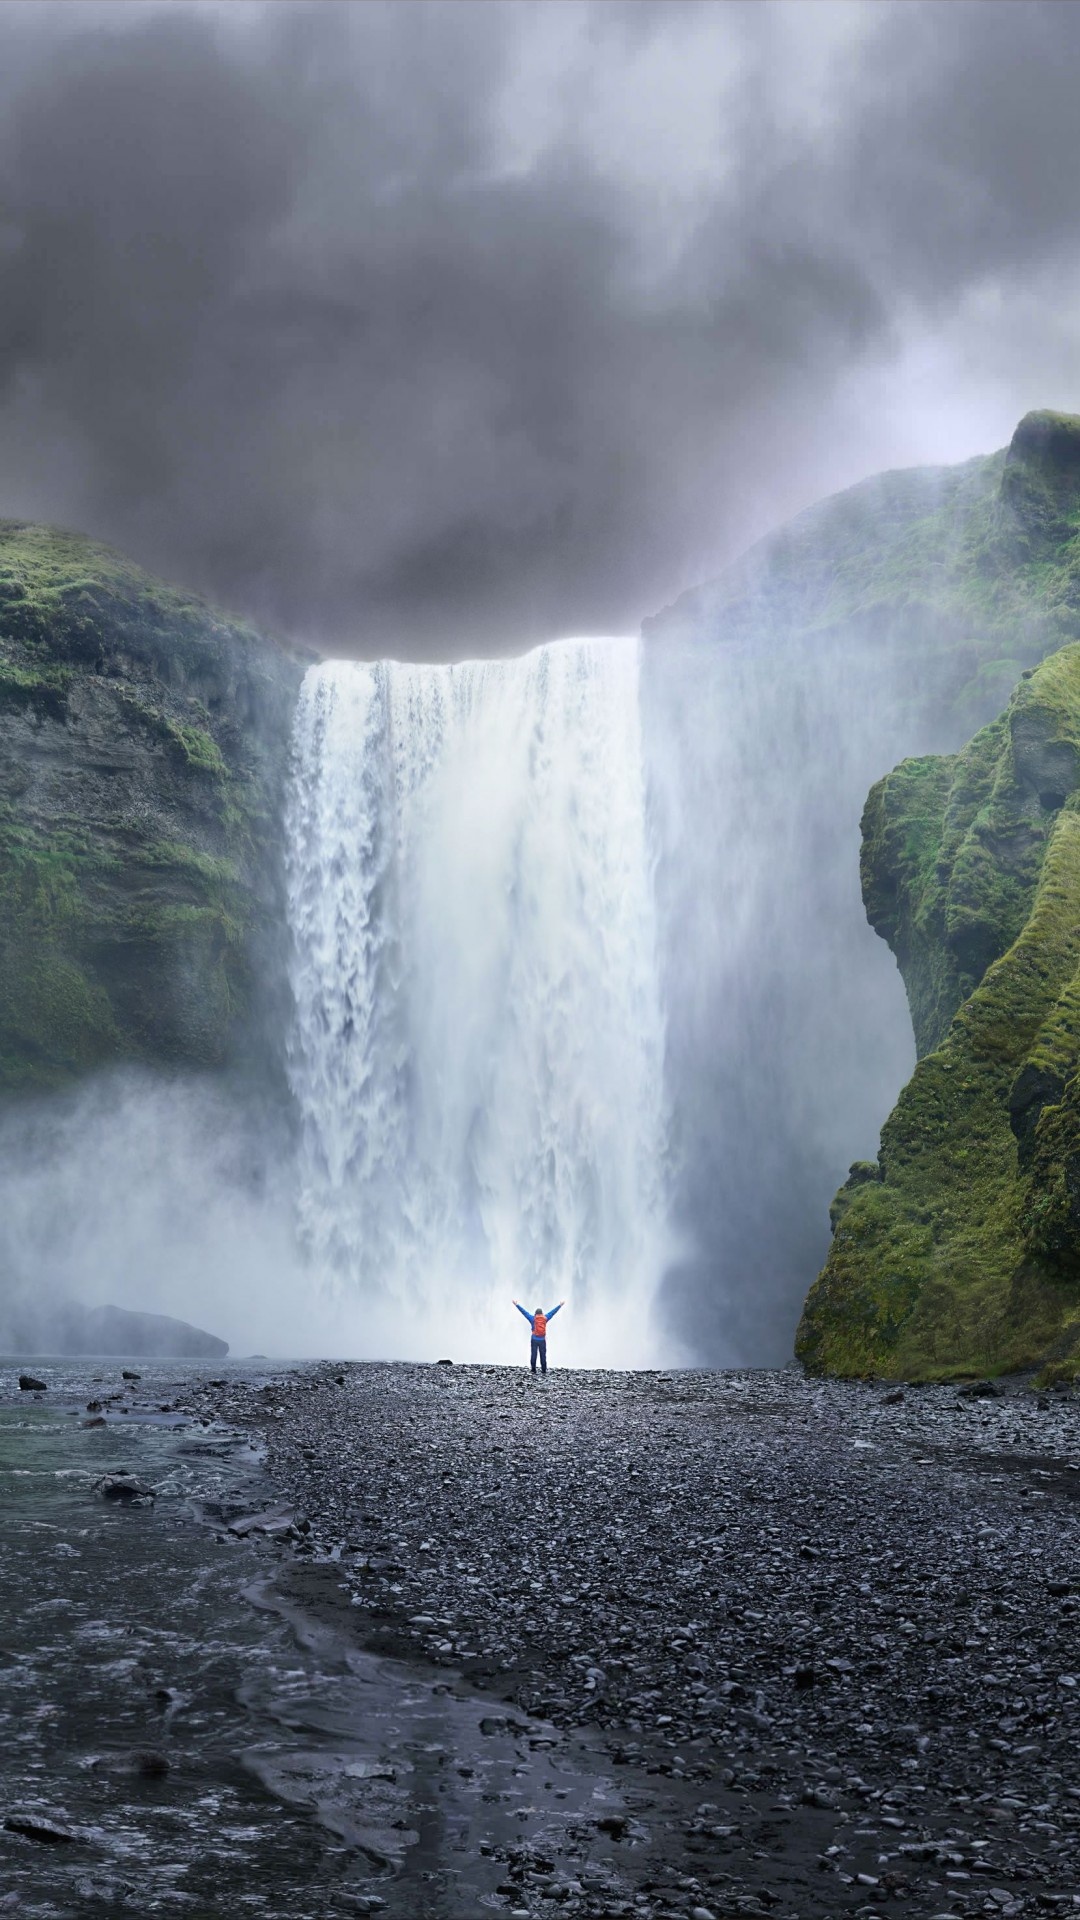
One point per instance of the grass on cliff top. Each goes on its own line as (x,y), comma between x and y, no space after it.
(987,551)
(57,571)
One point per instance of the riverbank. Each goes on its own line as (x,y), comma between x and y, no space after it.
(647,1645)
(825,1636)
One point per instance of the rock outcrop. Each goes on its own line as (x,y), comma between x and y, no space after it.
(66,1328)
(143,744)
(960,1251)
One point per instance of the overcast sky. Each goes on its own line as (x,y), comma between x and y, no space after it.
(443,328)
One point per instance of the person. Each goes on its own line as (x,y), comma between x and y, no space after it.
(538,1321)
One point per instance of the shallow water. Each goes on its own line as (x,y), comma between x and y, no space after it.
(215,1744)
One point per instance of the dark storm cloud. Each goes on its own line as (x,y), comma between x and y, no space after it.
(442,327)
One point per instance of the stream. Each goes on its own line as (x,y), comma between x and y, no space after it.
(188,1724)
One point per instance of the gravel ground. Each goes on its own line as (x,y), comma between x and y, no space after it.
(824,1636)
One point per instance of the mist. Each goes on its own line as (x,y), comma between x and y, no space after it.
(158,1194)
(179,1196)
(548,1036)
(788,1033)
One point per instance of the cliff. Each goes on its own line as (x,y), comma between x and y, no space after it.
(143,745)
(967,573)
(959,1251)
(889,621)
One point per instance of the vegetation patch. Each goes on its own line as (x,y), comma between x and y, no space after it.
(964,1254)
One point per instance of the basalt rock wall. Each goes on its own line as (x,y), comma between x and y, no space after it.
(143,749)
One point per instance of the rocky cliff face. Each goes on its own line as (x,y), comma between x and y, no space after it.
(959,1251)
(892,620)
(143,746)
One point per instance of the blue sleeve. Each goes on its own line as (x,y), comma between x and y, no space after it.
(555,1310)
(525,1311)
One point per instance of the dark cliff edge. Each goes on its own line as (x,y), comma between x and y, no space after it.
(143,750)
(958,1251)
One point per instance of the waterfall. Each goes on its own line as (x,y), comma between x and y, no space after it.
(478,1044)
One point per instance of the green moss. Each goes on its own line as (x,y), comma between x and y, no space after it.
(41,687)
(965,1254)
(142,953)
(69,597)
(138,839)
(201,750)
(55,1019)
(194,745)
(176,855)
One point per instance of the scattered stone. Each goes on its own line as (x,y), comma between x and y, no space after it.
(278,1521)
(122,1487)
(28,1384)
(614,1824)
(127,1374)
(864,1654)
(36,1826)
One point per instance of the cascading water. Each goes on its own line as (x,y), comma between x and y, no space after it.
(477,1052)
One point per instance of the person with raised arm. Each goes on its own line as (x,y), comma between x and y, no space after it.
(538,1322)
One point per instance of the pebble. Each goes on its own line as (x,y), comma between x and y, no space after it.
(36,1826)
(122,1488)
(835,1612)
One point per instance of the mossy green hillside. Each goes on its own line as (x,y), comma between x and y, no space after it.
(970,573)
(143,739)
(963,1253)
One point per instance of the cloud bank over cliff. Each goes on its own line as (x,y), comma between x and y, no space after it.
(445,328)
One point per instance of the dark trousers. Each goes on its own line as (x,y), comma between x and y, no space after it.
(539,1352)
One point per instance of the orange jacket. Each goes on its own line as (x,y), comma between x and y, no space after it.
(538,1321)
